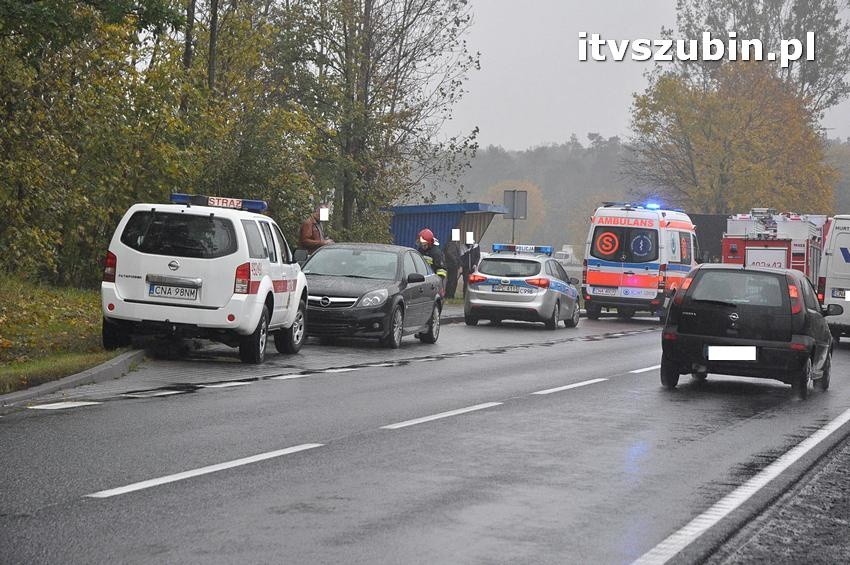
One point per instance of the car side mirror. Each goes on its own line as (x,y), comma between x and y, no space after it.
(573,280)
(833,310)
(415,278)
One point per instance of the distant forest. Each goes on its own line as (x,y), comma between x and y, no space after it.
(566,182)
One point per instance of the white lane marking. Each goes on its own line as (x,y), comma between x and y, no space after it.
(340,370)
(288,377)
(646,369)
(153,394)
(678,541)
(224,385)
(567,387)
(440,415)
(202,471)
(61,405)
(381,365)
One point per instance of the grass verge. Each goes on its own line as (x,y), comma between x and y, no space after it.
(46,333)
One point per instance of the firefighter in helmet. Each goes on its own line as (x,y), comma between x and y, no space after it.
(429,247)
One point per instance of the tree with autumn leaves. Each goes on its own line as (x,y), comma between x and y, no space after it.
(746,140)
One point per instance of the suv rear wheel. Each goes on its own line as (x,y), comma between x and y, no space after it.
(252,348)
(114,336)
(291,339)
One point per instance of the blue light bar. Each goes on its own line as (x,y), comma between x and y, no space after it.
(219,202)
(518,248)
(653,206)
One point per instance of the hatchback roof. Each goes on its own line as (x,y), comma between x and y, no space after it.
(735,267)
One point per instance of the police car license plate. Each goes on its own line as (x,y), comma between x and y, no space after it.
(162,291)
(505,288)
(604,291)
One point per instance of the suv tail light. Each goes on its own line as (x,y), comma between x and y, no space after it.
(794,295)
(476,278)
(540,282)
(242,281)
(821,289)
(110,266)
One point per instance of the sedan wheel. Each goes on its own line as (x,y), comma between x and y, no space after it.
(552,322)
(393,339)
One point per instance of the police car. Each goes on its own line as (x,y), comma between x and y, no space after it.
(207,267)
(521,282)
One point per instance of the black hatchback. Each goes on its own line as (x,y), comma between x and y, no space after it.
(370,290)
(750,322)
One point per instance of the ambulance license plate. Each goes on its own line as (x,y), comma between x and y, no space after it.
(179,292)
(840,293)
(505,288)
(604,291)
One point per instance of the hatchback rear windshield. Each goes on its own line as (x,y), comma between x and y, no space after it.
(628,245)
(499,267)
(739,287)
(180,235)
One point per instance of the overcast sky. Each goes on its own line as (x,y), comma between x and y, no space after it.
(532,89)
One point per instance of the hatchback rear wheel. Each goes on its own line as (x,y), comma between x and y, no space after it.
(669,374)
(252,348)
(823,383)
(573,320)
(800,386)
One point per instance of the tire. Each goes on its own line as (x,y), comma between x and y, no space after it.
(593,311)
(393,339)
(496,321)
(552,322)
(252,348)
(573,320)
(433,332)
(291,339)
(669,375)
(836,335)
(470,320)
(625,313)
(800,386)
(699,376)
(113,336)
(822,383)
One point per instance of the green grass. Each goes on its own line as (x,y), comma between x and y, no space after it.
(46,333)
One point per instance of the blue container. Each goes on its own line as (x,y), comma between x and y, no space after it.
(407,221)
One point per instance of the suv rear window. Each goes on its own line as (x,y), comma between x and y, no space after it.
(628,245)
(499,267)
(180,235)
(739,287)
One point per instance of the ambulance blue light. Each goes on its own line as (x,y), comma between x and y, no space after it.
(653,206)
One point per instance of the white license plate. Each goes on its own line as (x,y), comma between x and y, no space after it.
(604,291)
(505,288)
(180,292)
(840,293)
(731,353)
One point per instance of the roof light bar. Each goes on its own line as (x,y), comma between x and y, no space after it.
(518,248)
(220,202)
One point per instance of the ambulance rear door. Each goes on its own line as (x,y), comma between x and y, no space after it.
(605,262)
(641,266)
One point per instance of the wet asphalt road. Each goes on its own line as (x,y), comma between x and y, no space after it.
(597,473)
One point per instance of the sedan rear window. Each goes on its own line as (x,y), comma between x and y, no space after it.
(739,287)
(180,235)
(499,267)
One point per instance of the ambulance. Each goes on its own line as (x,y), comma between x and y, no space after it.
(634,253)
(834,279)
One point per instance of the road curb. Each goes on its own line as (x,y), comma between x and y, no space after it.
(112,369)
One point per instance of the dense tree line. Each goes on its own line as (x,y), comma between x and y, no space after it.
(109,102)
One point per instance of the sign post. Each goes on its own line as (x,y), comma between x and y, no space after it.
(516,201)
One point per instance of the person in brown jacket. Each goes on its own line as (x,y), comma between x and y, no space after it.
(311,236)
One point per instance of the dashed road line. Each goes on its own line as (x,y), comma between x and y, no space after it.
(153,394)
(202,471)
(677,542)
(645,369)
(225,385)
(568,387)
(62,405)
(340,370)
(440,416)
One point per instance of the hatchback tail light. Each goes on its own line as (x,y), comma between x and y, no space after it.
(242,281)
(669,336)
(680,292)
(110,266)
(821,289)
(794,295)
(539,282)
(476,278)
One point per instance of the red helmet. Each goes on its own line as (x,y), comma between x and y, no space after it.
(426,237)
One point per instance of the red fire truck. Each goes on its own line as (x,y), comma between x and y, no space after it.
(766,238)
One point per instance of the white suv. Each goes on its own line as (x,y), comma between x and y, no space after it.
(207,267)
